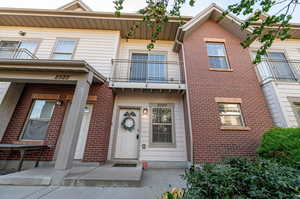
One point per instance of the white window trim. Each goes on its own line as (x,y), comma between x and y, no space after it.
(53,52)
(162,144)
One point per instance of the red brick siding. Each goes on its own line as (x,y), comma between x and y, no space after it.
(99,126)
(210,143)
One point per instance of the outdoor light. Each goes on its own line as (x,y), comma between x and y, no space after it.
(22,33)
(145,111)
(59,103)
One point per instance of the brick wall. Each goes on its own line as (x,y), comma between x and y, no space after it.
(210,143)
(99,126)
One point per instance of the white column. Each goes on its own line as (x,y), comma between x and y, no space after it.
(70,135)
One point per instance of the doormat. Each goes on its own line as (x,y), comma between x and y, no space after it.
(124,165)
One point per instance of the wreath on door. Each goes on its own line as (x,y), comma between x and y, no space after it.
(128,122)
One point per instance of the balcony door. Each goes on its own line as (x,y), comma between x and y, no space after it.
(148,67)
(281,66)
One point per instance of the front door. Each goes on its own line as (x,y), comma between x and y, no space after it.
(127,134)
(80,147)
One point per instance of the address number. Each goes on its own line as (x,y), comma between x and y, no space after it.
(62,77)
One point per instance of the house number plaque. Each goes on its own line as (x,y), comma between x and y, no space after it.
(62,77)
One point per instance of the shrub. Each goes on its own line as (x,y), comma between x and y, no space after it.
(240,178)
(281,145)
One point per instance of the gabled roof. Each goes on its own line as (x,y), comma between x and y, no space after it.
(213,12)
(76,5)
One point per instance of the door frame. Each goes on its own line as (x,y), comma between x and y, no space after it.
(116,127)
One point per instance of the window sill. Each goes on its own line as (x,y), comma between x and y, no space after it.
(29,142)
(161,145)
(235,128)
(221,69)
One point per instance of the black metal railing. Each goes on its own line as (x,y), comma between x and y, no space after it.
(283,70)
(16,53)
(140,71)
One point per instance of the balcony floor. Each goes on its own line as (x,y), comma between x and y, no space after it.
(142,85)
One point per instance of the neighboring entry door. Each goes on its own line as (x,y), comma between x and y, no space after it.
(127,134)
(83,132)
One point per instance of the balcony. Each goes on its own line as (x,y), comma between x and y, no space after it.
(279,70)
(141,74)
(16,53)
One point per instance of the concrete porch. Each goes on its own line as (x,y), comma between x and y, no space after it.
(105,176)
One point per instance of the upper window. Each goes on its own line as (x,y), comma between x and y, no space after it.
(162,124)
(231,115)
(17,49)
(217,56)
(148,67)
(64,49)
(38,121)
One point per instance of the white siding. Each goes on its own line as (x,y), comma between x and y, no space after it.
(165,47)
(277,93)
(97,47)
(154,154)
(3,87)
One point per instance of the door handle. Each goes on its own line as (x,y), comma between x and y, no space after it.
(137,136)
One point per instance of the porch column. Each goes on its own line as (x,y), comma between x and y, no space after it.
(8,105)
(71,130)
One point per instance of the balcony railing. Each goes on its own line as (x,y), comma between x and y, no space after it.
(16,53)
(281,70)
(140,71)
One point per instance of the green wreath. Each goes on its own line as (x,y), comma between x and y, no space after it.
(126,123)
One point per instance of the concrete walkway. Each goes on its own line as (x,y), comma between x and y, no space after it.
(155,182)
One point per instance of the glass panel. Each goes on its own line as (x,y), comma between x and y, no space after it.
(7,49)
(156,71)
(42,109)
(29,45)
(231,120)
(62,56)
(281,66)
(162,133)
(138,70)
(232,109)
(215,49)
(161,115)
(217,62)
(65,46)
(35,130)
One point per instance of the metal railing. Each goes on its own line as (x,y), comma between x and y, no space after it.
(140,71)
(283,70)
(16,53)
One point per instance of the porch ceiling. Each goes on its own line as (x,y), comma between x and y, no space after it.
(46,71)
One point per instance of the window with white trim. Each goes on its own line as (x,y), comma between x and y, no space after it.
(162,124)
(217,57)
(17,49)
(231,115)
(38,120)
(64,49)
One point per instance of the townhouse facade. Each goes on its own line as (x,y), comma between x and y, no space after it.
(73,82)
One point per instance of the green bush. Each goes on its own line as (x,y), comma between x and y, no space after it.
(240,178)
(281,145)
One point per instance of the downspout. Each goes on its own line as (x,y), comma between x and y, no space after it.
(187,101)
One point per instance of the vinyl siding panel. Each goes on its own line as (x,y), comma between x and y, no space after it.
(3,87)
(154,154)
(97,47)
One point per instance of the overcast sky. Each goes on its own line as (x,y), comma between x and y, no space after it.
(129,5)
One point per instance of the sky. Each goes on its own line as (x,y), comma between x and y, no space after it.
(129,5)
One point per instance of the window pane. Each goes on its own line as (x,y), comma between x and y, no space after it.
(156,71)
(231,109)
(29,45)
(138,70)
(215,49)
(62,56)
(231,120)
(65,46)
(162,133)
(7,49)
(161,115)
(217,62)
(35,130)
(42,109)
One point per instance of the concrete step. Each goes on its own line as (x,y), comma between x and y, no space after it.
(106,176)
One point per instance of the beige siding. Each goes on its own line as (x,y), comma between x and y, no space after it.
(154,154)
(132,45)
(277,93)
(97,47)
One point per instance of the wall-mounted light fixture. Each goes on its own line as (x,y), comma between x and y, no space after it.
(59,102)
(22,33)
(145,111)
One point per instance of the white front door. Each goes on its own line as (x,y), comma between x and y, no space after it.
(127,134)
(83,132)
